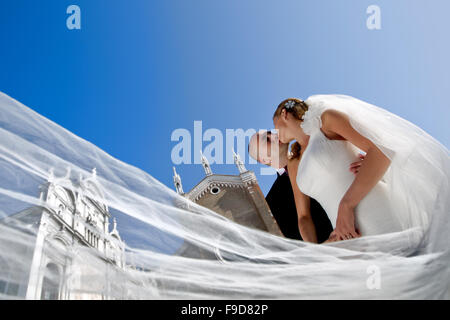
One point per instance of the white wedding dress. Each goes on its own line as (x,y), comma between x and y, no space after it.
(404,197)
(324,175)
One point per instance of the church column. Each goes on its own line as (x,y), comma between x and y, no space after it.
(33,289)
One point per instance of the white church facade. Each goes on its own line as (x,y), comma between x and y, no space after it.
(70,224)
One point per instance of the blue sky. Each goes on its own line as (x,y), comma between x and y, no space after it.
(137,70)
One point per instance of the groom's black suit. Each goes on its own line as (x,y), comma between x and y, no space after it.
(282,204)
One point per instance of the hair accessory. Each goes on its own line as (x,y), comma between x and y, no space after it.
(289,104)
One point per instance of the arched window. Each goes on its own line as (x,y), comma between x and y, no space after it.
(51,283)
(63,195)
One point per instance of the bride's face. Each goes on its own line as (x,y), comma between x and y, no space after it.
(283,124)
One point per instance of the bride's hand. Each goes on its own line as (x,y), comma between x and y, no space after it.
(345,223)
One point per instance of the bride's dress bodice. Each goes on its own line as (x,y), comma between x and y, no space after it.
(324,175)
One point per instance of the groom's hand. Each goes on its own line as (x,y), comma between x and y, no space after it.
(354,167)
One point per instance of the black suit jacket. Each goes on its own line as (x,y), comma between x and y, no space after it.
(282,204)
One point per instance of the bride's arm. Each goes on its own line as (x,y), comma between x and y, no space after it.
(302,203)
(337,125)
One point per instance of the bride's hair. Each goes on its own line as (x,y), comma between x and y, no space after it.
(297,108)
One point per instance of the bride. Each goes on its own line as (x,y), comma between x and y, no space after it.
(404,176)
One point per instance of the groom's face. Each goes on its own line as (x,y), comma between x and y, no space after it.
(266,148)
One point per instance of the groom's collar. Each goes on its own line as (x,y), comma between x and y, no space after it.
(281,171)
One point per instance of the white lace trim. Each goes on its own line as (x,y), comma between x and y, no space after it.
(312,121)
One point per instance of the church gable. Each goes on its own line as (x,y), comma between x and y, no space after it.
(236,197)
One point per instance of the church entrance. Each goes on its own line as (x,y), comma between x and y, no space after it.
(51,283)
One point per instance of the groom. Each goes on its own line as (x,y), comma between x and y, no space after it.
(281,197)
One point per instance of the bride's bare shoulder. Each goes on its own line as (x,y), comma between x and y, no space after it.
(331,116)
(332,123)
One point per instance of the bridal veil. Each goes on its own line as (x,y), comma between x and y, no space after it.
(174,249)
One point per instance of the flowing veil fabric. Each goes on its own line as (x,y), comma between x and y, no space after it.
(175,249)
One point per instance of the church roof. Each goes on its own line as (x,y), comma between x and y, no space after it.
(245,178)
